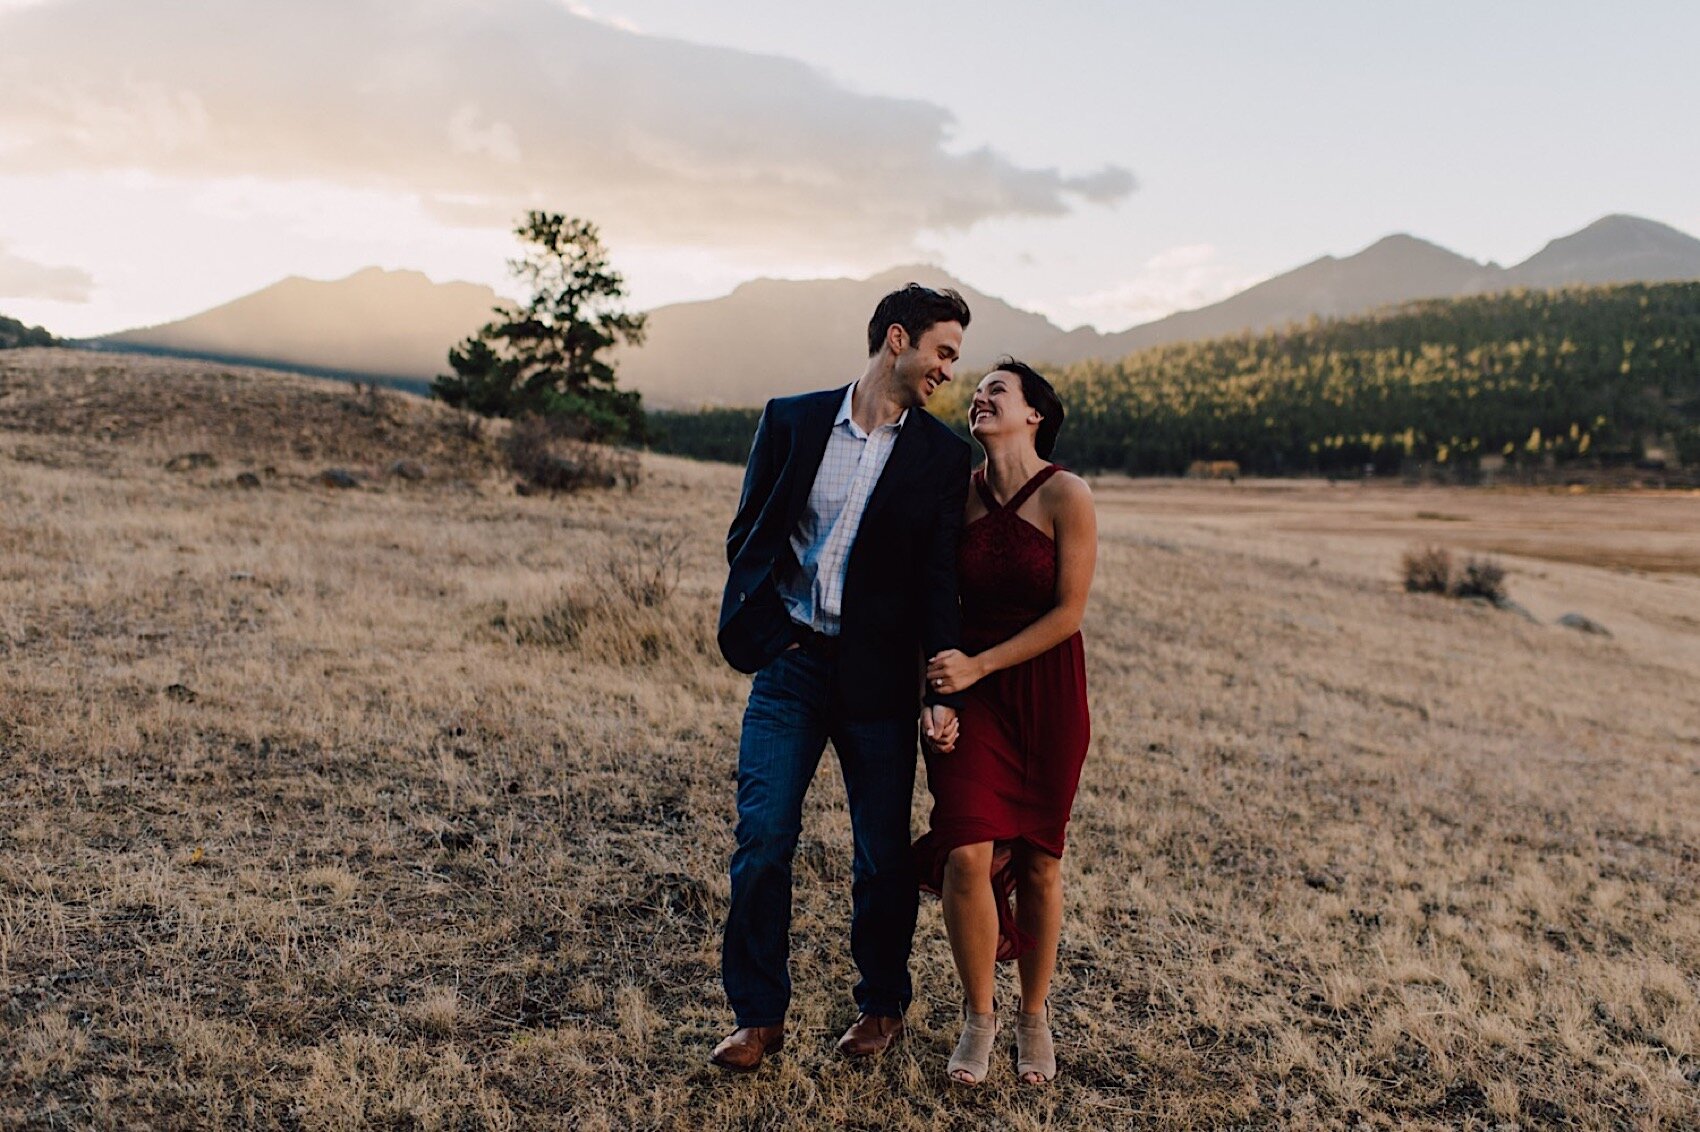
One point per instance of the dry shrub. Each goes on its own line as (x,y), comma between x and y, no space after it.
(549,454)
(625,613)
(1428,570)
(1482,577)
(646,572)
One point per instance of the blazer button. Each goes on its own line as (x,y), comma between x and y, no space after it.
(741,598)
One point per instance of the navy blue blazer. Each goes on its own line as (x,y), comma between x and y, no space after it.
(900,599)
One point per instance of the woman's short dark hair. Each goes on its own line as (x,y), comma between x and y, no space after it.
(915,308)
(1038,393)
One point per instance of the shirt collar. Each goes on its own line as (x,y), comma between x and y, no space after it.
(844,412)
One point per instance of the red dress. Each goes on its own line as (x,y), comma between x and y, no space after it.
(1024,729)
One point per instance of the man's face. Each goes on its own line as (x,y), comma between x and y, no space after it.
(926,364)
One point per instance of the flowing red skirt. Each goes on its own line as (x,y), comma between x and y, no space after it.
(1012,778)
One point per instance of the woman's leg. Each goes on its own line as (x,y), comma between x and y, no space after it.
(1038,912)
(971,922)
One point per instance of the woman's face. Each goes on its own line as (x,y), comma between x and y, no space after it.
(999,409)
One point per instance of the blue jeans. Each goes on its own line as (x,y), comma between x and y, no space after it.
(791,714)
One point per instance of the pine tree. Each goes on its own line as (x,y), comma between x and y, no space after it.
(543,358)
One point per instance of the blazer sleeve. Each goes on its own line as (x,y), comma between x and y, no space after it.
(942,613)
(758,485)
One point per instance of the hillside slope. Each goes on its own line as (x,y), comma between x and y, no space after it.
(374,322)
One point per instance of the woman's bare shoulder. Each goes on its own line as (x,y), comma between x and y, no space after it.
(1065,489)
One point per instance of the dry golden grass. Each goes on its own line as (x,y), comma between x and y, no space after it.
(409,806)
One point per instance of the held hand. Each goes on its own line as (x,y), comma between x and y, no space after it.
(953,671)
(940,727)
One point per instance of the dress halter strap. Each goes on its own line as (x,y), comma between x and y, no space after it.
(1020,497)
(1032,485)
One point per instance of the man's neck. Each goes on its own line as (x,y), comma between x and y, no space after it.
(874,401)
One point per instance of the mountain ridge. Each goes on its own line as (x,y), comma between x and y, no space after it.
(376,322)
(771,336)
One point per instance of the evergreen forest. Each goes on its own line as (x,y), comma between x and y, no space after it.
(16,335)
(1599,375)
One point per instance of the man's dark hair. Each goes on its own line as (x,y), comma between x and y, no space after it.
(915,308)
(1038,393)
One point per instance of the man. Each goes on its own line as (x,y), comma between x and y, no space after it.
(843,578)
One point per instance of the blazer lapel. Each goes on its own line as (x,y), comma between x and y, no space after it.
(813,429)
(906,454)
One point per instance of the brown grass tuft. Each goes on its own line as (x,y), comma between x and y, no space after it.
(622,613)
(1427,570)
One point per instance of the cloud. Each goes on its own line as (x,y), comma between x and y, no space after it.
(22,278)
(1175,279)
(485,109)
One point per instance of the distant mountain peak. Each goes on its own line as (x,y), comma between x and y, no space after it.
(374,321)
(1405,244)
(916,271)
(1624,222)
(1613,249)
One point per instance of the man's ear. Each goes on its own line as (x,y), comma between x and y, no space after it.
(897,338)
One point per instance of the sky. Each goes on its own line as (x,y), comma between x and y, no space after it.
(1100,162)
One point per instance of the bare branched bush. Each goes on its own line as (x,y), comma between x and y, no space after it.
(647,572)
(549,454)
(1428,570)
(624,613)
(1482,577)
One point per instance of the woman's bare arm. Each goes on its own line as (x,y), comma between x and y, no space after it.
(1074,525)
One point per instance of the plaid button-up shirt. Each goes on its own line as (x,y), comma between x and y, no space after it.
(851,465)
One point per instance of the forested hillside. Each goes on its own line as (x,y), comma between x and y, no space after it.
(1595,374)
(14,334)
(1586,372)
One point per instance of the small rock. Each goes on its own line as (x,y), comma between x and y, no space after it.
(182,693)
(1584,624)
(456,840)
(241,576)
(339,478)
(1327,882)
(523,488)
(407,470)
(187,461)
(248,480)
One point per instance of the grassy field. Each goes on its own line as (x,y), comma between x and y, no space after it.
(409,805)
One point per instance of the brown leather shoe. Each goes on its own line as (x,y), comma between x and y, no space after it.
(870,1034)
(744,1048)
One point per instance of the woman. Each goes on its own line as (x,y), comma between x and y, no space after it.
(1002,794)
